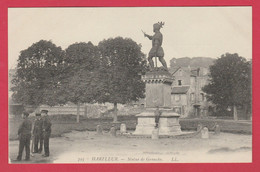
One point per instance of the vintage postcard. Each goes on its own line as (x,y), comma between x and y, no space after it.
(130,85)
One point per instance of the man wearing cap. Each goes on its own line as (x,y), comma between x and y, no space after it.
(24,133)
(46,128)
(37,133)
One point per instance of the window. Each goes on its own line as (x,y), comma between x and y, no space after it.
(179,82)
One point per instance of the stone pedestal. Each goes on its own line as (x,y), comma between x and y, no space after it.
(122,128)
(168,123)
(158,94)
(205,133)
(158,89)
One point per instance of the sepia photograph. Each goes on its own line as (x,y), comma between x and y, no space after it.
(130,85)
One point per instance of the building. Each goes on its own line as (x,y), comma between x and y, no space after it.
(188,99)
(180,99)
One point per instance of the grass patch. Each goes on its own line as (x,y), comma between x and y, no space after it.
(66,123)
(225,125)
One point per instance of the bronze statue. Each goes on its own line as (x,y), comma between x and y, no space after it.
(156,50)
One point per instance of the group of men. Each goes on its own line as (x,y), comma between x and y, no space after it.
(40,134)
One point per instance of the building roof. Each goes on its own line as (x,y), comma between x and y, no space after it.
(180,90)
(190,71)
(173,70)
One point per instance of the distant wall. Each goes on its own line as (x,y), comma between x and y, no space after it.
(56,110)
(91,110)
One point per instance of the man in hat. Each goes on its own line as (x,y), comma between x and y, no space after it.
(156,50)
(37,133)
(24,133)
(46,128)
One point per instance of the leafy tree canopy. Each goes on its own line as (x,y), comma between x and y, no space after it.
(230,81)
(78,81)
(83,73)
(122,63)
(36,78)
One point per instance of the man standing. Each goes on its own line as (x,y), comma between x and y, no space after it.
(24,133)
(37,133)
(157,114)
(46,128)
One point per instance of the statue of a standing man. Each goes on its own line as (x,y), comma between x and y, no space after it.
(156,50)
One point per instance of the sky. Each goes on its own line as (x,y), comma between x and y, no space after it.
(188,31)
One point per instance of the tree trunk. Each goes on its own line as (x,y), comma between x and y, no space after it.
(245,107)
(235,112)
(78,108)
(115,112)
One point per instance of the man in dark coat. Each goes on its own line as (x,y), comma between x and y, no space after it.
(157,114)
(37,133)
(24,133)
(46,128)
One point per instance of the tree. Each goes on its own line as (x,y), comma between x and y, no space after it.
(230,83)
(37,74)
(79,78)
(122,64)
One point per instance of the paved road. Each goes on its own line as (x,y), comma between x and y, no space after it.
(87,147)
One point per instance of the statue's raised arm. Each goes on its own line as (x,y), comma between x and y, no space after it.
(148,36)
